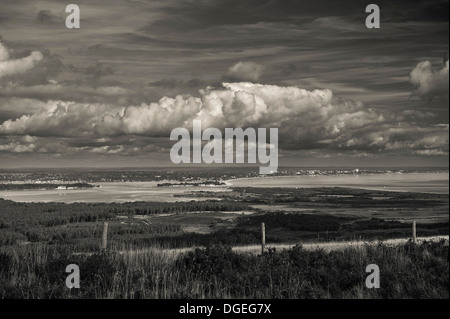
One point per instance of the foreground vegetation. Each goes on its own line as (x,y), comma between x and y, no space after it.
(331,214)
(153,247)
(406,271)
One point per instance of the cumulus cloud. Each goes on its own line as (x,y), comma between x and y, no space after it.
(428,82)
(17,66)
(245,71)
(4,55)
(306,120)
(56,118)
(403,138)
(243,104)
(15,147)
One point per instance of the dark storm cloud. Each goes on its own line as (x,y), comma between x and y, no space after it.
(207,13)
(137,69)
(200,14)
(417,10)
(46,17)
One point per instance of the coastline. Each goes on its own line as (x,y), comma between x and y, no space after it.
(399,188)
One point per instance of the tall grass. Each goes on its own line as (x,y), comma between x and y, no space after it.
(407,271)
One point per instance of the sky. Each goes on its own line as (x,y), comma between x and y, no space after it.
(110,93)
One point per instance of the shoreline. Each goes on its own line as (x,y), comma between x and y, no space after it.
(231,182)
(428,183)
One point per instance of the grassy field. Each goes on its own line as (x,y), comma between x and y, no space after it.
(406,271)
(211,249)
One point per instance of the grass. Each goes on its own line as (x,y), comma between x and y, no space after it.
(152,247)
(407,271)
(332,245)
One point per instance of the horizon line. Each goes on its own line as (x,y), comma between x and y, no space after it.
(225,166)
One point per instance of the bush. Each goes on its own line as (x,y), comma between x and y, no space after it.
(6,263)
(96,274)
(407,271)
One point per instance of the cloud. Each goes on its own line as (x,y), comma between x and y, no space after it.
(174,84)
(200,14)
(402,139)
(306,120)
(4,55)
(241,104)
(428,82)
(244,71)
(11,67)
(45,16)
(44,76)
(15,147)
(67,92)
(57,119)
(48,68)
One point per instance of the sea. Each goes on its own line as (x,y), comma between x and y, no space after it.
(149,191)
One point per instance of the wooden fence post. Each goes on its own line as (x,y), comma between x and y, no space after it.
(414,232)
(263,238)
(105,235)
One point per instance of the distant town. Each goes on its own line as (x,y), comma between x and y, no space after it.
(209,175)
(44,186)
